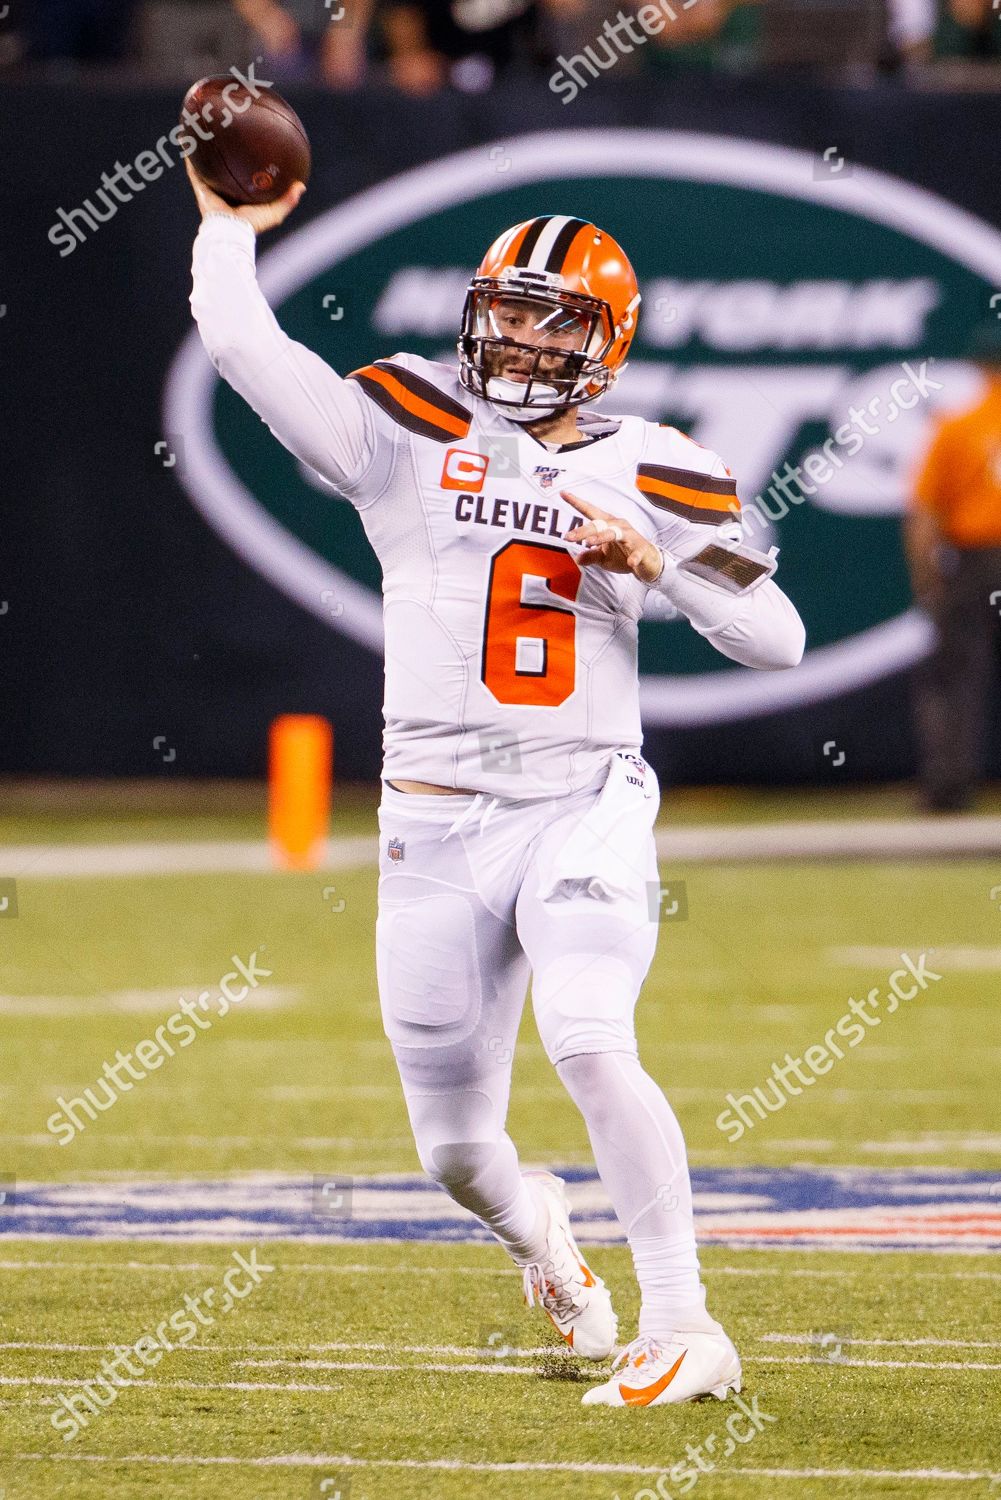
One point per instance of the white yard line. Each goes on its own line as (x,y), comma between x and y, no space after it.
(917,838)
(277,1353)
(952,958)
(472,1368)
(304,1142)
(353,1365)
(138,1002)
(209,857)
(459,1350)
(848,1341)
(934,1142)
(878,838)
(869,1364)
(357,1269)
(557,1095)
(494,1367)
(458,1465)
(821,1271)
(762,1359)
(294,1266)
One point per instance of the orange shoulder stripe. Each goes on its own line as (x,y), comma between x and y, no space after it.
(416,404)
(413,401)
(684,495)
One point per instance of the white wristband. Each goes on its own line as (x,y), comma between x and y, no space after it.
(653,582)
(665,580)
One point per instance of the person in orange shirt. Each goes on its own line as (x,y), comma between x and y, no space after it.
(953,545)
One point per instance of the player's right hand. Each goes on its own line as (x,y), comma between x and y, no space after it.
(261,216)
(610,542)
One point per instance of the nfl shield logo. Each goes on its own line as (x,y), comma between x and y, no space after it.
(546,476)
(636,761)
(396,850)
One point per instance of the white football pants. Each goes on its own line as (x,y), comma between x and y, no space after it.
(477,892)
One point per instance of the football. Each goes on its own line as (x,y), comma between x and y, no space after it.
(251,145)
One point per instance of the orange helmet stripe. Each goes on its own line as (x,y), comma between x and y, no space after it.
(509,254)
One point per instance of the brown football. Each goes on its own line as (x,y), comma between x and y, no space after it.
(251,145)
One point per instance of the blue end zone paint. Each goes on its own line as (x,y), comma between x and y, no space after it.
(796,1208)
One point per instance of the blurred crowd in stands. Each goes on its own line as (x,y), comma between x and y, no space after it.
(424,45)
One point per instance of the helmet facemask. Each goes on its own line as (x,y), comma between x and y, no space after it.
(532,349)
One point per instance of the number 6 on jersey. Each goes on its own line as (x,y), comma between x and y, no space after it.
(529,649)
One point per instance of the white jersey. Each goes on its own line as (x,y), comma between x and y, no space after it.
(509,668)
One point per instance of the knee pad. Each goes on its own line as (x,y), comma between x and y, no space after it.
(456,1133)
(595,1082)
(585,1003)
(457,1164)
(585,1076)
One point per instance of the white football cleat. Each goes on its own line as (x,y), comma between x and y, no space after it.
(652,1372)
(563,1283)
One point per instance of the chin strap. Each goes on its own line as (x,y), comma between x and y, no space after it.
(501,391)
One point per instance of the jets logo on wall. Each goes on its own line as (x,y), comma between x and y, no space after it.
(803,323)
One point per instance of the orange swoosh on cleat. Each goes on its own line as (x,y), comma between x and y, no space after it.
(567,1336)
(651,1392)
(588,1278)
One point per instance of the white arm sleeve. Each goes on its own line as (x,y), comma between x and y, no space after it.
(318,416)
(761,628)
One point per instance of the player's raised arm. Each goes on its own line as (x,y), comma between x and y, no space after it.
(318,416)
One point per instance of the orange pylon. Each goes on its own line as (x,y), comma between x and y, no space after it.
(300,776)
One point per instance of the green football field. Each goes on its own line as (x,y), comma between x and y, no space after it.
(406,1366)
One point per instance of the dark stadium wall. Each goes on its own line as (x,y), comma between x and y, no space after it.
(126,618)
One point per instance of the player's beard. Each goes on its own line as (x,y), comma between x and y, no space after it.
(550,376)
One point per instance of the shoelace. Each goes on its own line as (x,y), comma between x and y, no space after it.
(642,1345)
(542,1284)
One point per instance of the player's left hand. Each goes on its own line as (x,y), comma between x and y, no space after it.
(611,543)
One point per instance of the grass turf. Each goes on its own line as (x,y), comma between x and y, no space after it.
(828,1414)
(309,1086)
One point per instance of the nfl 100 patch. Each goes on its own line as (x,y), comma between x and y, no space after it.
(547,476)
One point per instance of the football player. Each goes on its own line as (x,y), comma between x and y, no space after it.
(519,534)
